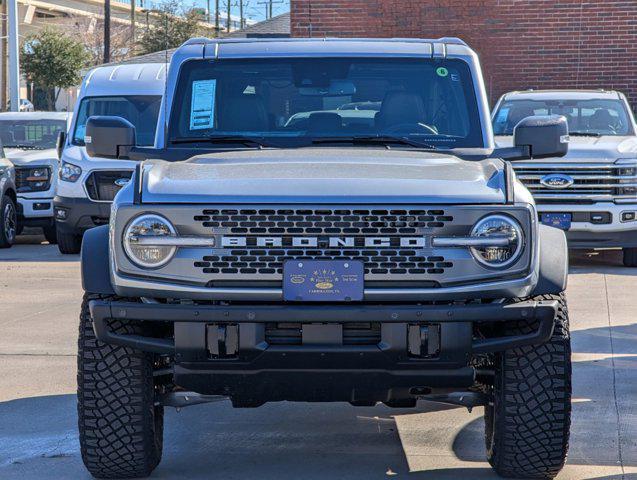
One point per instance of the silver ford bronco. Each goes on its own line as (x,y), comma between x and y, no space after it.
(324,220)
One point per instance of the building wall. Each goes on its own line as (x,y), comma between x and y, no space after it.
(522,43)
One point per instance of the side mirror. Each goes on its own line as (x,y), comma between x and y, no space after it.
(59,143)
(543,136)
(108,137)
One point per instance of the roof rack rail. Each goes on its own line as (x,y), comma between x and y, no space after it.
(452,41)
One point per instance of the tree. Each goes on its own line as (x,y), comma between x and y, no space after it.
(50,60)
(171,27)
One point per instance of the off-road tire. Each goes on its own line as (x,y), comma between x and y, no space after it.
(8,221)
(121,428)
(50,233)
(68,243)
(630,257)
(527,426)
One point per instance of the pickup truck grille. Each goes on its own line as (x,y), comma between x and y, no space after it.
(391,260)
(591,183)
(101,186)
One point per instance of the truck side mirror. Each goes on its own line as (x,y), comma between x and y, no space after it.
(544,136)
(108,137)
(59,143)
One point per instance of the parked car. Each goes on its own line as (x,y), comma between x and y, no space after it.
(8,201)
(592,192)
(87,185)
(260,261)
(29,140)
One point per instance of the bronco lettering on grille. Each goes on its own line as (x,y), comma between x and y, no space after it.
(332,242)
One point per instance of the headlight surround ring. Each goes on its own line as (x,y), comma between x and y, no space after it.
(148,224)
(493,225)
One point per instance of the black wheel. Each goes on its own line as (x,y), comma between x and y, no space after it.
(121,428)
(630,257)
(8,222)
(50,233)
(68,243)
(528,424)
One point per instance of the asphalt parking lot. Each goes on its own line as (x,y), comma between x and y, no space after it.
(40,294)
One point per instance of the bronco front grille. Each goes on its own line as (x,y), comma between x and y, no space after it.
(591,182)
(389,261)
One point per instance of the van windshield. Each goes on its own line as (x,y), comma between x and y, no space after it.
(36,134)
(141,110)
(292,102)
(585,117)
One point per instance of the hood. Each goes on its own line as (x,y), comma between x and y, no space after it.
(324,175)
(606,148)
(21,157)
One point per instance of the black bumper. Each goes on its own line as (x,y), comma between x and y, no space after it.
(80,214)
(589,240)
(249,365)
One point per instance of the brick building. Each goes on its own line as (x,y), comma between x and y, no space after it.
(522,43)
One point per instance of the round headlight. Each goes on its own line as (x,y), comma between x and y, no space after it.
(508,245)
(138,241)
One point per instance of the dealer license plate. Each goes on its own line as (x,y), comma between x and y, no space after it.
(323,280)
(557,220)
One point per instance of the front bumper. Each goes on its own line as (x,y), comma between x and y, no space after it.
(226,350)
(35,212)
(600,225)
(79,214)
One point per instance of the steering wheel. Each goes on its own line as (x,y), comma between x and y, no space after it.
(410,127)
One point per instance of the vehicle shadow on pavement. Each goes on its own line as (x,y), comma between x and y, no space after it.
(24,251)
(600,261)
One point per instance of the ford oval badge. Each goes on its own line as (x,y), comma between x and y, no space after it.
(557,180)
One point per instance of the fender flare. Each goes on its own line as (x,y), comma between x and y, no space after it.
(553,275)
(96,277)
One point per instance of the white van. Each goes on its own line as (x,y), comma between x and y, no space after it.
(87,186)
(29,140)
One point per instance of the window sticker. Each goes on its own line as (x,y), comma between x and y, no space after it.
(202,105)
(442,72)
(503,114)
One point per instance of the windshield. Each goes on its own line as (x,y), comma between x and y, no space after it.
(30,134)
(141,110)
(594,117)
(288,102)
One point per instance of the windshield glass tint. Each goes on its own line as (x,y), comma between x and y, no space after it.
(141,110)
(286,99)
(598,117)
(36,134)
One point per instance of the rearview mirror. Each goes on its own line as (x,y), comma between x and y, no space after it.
(543,136)
(59,143)
(108,137)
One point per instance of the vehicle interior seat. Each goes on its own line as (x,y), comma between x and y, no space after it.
(399,108)
(244,113)
(601,120)
(324,122)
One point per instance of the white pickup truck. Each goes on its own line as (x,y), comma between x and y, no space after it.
(29,140)
(591,193)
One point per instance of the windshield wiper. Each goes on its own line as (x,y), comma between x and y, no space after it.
(256,142)
(376,139)
(585,134)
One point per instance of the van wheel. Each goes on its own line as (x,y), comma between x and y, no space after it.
(68,243)
(50,233)
(630,257)
(8,222)
(528,424)
(121,428)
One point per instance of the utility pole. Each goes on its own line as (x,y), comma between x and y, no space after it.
(132,23)
(14,56)
(217,17)
(270,9)
(229,7)
(107,31)
(240,14)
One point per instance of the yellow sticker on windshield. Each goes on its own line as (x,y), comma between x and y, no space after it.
(442,71)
